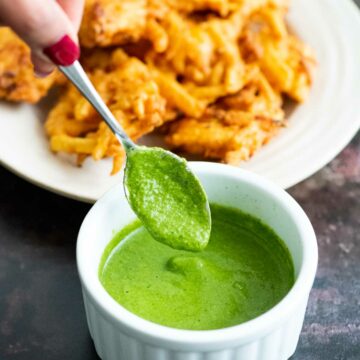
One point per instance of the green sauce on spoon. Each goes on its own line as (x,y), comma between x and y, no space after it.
(168,198)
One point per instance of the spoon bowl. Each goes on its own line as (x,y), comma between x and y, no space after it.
(167,198)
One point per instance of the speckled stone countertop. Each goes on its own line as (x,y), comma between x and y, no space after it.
(41,309)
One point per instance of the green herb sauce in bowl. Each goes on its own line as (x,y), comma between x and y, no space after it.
(244,271)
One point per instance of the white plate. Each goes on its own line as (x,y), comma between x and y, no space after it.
(318,130)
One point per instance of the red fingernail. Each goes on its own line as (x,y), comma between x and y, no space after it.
(64,52)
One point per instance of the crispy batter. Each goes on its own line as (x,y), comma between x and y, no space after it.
(205,53)
(286,61)
(235,127)
(257,97)
(17,80)
(132,95)
(177,95)
(215,71)
(115,22)
(109,22)
(229,141)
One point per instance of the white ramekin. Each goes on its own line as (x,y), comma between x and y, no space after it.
(121,335)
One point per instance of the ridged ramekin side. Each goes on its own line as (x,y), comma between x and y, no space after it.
(113,343)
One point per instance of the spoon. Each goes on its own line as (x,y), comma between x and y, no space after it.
(160,188)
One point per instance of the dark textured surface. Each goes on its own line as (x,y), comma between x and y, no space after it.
(41,310)
(331,200)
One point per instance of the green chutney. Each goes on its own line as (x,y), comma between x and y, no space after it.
(244,271)
(168,198)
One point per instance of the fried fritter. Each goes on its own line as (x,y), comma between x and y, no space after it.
(17,79)
(113,22)
(212,138)
(285,60)
(109,22)
(127,87)
(215,71)
(205,53)
(235,127)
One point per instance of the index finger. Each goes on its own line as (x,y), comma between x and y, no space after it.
(74,10)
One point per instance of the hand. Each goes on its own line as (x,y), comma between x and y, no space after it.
(42,23)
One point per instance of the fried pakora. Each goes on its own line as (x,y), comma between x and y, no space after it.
(126,85)
(17,79)
(287,62)
(234,127)
(215,72)
(214,139)
(109,22)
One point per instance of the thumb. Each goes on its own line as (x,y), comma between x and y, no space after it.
(41,23)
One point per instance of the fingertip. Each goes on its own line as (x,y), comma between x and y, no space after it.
(42,68)
(40,74)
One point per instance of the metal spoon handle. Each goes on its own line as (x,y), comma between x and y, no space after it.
(76,74)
